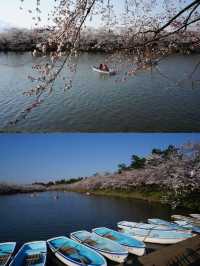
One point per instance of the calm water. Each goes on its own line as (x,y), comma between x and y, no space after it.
(146,102)
(25,218)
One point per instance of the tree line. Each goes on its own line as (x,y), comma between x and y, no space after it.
(59,182)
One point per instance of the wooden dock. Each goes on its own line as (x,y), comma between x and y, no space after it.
(184,253)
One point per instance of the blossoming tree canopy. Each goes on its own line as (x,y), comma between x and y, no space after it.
(149,30)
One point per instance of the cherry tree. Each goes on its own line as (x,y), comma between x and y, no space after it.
(151,30)
(185,183)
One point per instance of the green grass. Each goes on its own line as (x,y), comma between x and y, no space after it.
(151,193)
(154,196)
(191,203)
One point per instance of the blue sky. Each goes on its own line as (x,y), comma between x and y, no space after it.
(9,11)
(39,157)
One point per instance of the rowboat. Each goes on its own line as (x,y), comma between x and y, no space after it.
(154,235)
(194,221)
(145,226)
(72,253)
(32,253)
(195,215)
(177,225)
(106,247)
(190,226)
(171,225)
(110,72)
(6,251)
(131,244)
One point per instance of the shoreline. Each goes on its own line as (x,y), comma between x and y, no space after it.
(149,196)
(92,40)
(153,196)
(113,50)
(131,195)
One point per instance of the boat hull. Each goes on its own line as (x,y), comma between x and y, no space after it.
(116,257)
(144,226)
(191,220)
(195,215)
(135,251)
(131,244)
(158,240)
(171,225)
(36,246)
(63,259)
(188,225)
(7,247)
(154,240)
(111,72)
(152,234)
(110,256)
(67,260)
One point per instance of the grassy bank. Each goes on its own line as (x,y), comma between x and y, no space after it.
(153,196)
(190,202)
(148,193)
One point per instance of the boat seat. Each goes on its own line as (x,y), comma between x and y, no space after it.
(67,250)
(70,250)
(111,237)
(90,242)
(32,259)
(3,259)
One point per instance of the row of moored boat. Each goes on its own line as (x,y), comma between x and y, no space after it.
(91,248)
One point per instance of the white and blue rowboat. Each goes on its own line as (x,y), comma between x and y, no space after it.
(131,244)
(195,215)
(145,226)
(106,247)
(171,225)
(155,235)
(72,253)
(110,72)
(188,219)
(6,251)
(187,225)
(32,253)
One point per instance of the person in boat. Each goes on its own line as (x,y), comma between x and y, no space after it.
(103,67)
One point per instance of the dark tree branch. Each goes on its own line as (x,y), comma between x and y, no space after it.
(177,15)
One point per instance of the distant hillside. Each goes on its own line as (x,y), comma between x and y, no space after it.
(92,40)
(168,170)
(170,176)
(7,188)
(20,40)
(4,26)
